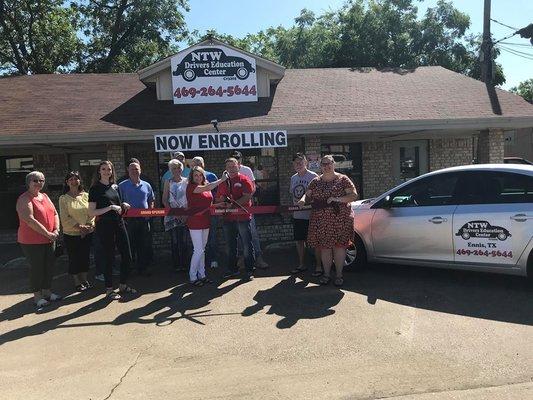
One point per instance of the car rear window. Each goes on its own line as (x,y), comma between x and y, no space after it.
(503,187)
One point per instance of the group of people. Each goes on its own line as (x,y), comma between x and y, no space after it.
(97,217)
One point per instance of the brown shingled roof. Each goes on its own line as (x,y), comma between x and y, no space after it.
(84,103)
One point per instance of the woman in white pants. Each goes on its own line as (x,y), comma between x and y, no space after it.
(199,198)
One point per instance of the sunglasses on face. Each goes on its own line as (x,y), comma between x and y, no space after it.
(37,180)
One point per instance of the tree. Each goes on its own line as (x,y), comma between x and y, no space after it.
(126,35)
(36,37)
(375,33)
(524,89)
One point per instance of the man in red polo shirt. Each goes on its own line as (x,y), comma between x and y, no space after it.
(237,189)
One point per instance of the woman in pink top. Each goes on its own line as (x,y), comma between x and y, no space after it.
(37,235)
(199,196)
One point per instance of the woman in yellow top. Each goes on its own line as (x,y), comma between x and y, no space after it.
(77,228)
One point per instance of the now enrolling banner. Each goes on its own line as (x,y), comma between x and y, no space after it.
(220,141)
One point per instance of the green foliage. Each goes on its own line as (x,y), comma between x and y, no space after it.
(126,35)
(524,89)
(36,37)
(373,33)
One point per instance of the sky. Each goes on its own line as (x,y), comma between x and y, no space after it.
(239,17)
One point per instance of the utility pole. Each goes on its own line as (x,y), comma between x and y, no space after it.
(486,46)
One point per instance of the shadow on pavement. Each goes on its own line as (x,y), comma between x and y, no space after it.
(295,301)
(478,295)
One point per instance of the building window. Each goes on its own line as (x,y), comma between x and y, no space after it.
(348,161)
(13,171)
(410,159)
(265,168)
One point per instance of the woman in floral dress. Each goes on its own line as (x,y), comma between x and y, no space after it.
(331,223)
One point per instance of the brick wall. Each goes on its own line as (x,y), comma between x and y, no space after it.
(115,154)
(54,166)
(449,152)
(496,146)
(312,144)
(377,168)
(490,146)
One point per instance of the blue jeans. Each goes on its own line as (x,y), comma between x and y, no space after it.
(211,249)
(255,240)
(179,246)
(233,230)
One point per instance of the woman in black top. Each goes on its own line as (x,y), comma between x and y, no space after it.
(106,205)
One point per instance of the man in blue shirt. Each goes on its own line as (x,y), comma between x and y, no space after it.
(138,194)
(211,249)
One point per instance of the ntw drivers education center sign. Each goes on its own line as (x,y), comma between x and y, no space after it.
(213,74)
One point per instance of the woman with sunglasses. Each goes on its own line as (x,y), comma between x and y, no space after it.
(37,235)
(77,228)
(331,222)
(106,205)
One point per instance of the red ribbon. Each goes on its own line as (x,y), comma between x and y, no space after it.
(161,212)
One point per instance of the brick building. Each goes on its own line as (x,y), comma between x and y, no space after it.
(382,126)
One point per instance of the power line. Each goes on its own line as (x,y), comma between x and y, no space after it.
(517,44)
(507,26)
(506,37)
(517,51)
(516,54)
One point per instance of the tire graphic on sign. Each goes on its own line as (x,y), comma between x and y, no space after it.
(189,75)
(242,73)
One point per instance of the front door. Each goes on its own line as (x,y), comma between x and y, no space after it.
(418,224)
(410,159)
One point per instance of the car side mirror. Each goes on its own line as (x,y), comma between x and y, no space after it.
(387,202)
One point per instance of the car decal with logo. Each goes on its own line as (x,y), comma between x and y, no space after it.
(481,241)
(482,229)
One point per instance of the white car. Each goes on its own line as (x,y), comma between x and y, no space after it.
(475,217)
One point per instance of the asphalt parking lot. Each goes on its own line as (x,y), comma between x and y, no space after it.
(390,332)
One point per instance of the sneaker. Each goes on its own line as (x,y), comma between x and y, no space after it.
(260,263)
(214,264)
(99,277)
(230,274)
(248,277)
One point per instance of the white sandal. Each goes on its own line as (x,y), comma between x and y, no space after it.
(54,297)
(113,295)
(42,303)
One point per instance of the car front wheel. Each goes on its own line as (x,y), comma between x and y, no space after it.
(356,254)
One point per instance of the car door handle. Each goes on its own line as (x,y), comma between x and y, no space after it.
(438,220)
(521,217)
